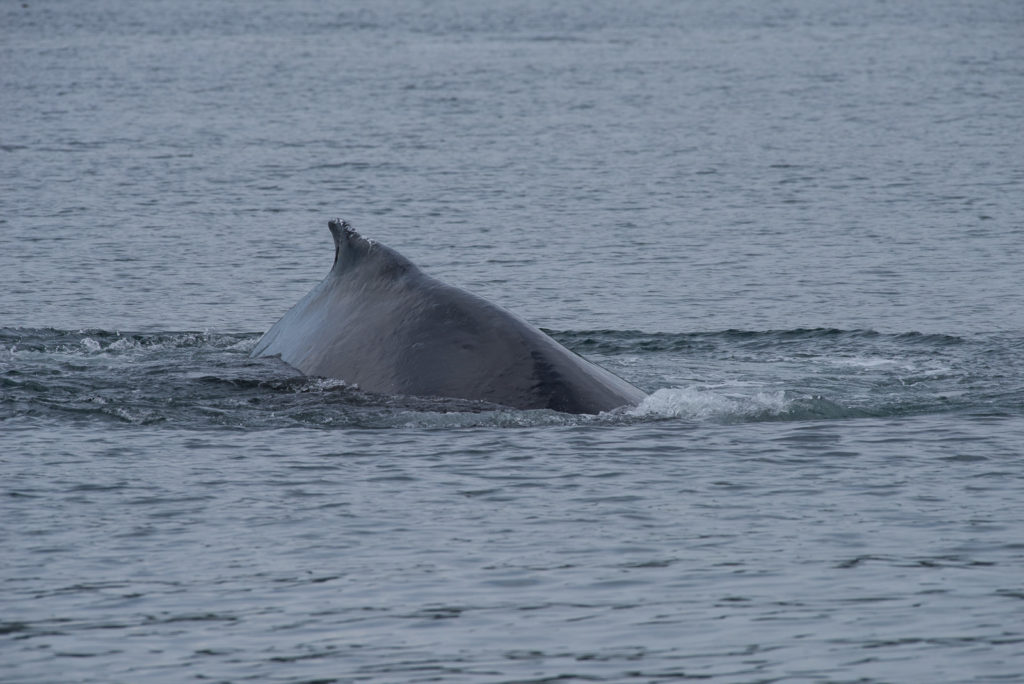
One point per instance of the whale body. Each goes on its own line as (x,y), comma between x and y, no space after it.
(376,321)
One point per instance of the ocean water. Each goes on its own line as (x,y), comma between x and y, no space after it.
(797,225)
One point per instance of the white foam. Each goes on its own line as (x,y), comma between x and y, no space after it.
(122,344)
(323,385)
(697,403)
(245,345)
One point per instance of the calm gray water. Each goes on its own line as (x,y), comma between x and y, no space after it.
(798,225)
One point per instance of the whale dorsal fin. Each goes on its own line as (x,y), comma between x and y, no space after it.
(351,250)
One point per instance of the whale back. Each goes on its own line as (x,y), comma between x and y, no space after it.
(378,322)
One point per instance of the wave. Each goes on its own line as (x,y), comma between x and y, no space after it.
(600,341)
(633,341)
(205,379)
(701,404)
(92,340)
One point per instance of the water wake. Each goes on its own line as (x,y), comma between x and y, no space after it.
(206,380)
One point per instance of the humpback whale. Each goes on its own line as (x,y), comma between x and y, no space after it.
(376,321)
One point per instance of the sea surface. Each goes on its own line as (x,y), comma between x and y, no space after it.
(799,226)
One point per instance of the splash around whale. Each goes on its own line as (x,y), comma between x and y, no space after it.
(378,322)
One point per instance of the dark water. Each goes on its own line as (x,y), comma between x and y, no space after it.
(798,225)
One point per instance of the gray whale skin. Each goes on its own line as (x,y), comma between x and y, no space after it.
(378,322)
